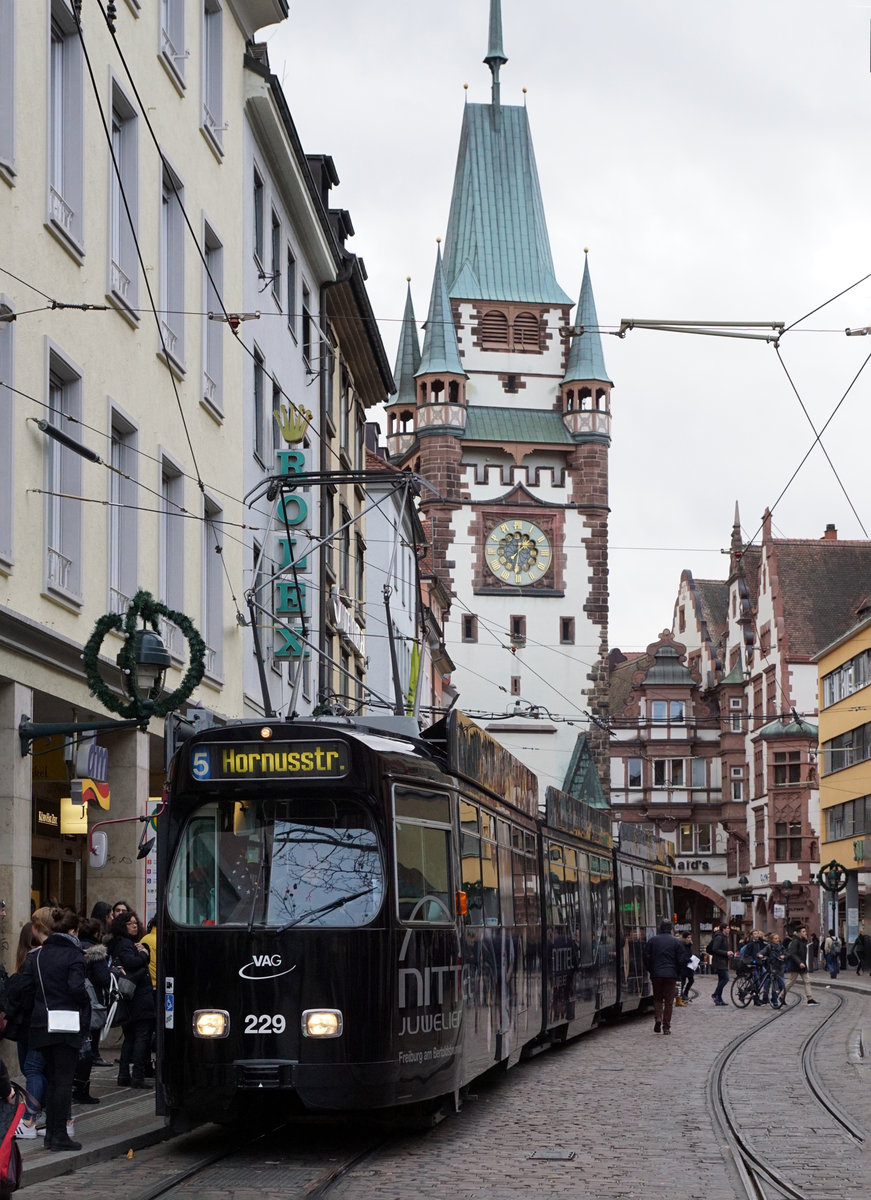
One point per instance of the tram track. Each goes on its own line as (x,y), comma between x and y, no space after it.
(759,1176)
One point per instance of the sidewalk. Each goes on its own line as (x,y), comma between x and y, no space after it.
(124,1120)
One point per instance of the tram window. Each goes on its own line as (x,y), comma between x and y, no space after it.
(516,838)
(506,890)
(469,818)
(422,806)
(529,844)
(490,881)
(472,882)
(314,862)
(423,873)
(488,826)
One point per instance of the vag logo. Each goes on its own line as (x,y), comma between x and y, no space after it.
(263,966)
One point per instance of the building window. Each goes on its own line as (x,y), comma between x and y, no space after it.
(258,218)
(172,267)
(276,258)
(682,619)
(212,588)
(213,72)
(851,819)
(7,412)
(7,89)
(172,52)
(567,631)
(290,285)
(662,711)
(848,748)
(306,326)
(345,551)
(515,685)
(272,420)
(123,200)
(787,768)
(526,332)
(517,626)
(699,775)
(257,414)
(123,550)
(634,769)
(493,331)
(705,839)
(470,627)
(669,772)
(63,483)
(213,331)
(736,714)
(847,679)
(66,128)
(759,856)
(171,552)
(787,841)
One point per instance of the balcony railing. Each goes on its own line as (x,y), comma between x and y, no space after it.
(60,211)
(59,569)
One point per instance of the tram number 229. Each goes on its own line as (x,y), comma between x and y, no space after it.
(265,1023)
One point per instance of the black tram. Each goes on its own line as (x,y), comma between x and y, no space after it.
(355,915)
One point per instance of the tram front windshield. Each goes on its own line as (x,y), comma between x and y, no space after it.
(277,863)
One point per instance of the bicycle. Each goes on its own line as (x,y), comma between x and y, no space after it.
(760,986)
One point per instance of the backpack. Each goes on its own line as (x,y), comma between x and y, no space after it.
(709,949)
(98,1008)
(835,947)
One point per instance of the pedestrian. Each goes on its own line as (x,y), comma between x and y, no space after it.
(862,952)
(814,951)
(718,948)
(796,964)
(119,908)
(689,971)
(832,953)
(100,912)
(665,957)
(752,957)
(58,971)
(149,940)
(7,1096)
(130,957)
(21,993)
(97,986)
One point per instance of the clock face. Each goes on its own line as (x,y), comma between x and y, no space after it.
(517,552)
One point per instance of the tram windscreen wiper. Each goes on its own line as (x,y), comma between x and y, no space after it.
(328,907)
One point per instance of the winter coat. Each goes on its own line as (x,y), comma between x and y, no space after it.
(775,957)
(97,967)
(719,952)
(58,971)
(796,954)
(149,939)
(134,964)
(665,956)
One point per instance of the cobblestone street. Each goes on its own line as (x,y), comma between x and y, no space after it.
(629,1106)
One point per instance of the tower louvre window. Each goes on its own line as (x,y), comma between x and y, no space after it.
(494,330)
(526,331)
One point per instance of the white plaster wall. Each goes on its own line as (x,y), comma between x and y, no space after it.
(484,366)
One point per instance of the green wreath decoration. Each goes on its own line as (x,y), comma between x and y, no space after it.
(144,606)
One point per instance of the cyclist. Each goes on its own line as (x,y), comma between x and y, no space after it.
(752,954)
(775,959)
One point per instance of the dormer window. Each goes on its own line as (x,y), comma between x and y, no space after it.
(663,711)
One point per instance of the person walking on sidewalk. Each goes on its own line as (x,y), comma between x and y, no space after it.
(796,964)
(689,971)
(664,959)
(832,952)
(718,948)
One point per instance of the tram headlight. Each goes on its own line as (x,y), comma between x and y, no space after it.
(211,1023)
(322,1023)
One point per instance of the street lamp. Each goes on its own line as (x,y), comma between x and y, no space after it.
(143,661)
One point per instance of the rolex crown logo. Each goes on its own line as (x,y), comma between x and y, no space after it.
(293,421)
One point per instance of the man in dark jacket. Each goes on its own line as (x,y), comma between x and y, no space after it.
(718,948)
(664,959)
(796,964)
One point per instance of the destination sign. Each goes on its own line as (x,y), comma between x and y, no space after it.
(270,760)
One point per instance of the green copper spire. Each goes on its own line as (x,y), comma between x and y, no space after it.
(407,356)
(441,354)
(495,54)
(586,360)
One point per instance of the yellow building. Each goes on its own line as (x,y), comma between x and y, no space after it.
(845,770)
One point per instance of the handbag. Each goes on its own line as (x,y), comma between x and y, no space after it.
(60,1020)
(126,987)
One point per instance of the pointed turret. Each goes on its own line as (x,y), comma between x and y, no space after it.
(585,391)
(400,408)
(440,376)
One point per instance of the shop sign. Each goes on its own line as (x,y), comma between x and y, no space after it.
(73,817)
(48,763)
(46,818)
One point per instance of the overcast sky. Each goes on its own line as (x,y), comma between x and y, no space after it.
(715,160)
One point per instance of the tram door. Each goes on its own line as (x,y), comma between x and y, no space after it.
(429,964)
